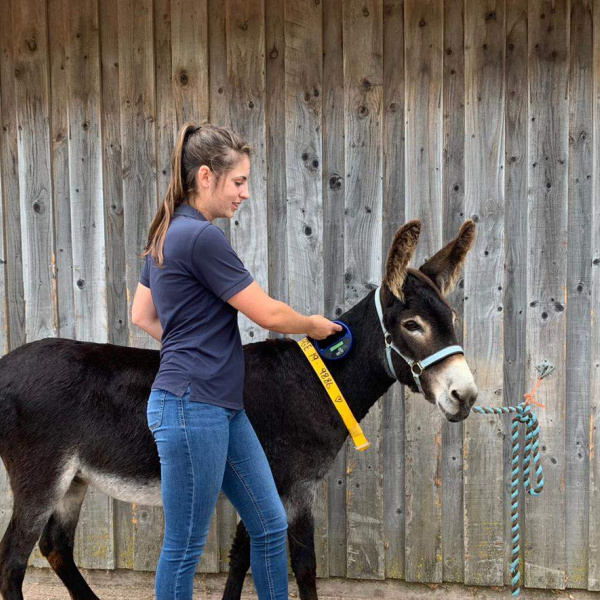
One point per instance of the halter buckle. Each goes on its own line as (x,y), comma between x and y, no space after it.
(414,367)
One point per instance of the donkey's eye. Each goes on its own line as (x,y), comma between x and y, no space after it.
(411,325)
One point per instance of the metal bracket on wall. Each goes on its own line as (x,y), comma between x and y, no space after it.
(545,368)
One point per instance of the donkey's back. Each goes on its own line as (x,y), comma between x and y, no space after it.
(66,403)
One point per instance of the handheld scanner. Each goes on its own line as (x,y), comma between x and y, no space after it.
(335,346)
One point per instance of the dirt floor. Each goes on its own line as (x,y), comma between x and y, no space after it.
(42,584)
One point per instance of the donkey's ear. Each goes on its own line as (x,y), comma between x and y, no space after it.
(443,268)
(401,251)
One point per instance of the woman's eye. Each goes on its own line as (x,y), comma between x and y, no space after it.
(411,325)
(238,183)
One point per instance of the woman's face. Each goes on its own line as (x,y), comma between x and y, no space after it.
(226,194)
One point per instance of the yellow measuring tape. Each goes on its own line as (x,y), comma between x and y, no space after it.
(360,441)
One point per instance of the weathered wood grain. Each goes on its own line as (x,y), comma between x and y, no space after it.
(246,88)
(578,334)
(594,258)
(484,201)
(30,46)
(423,31)
(15,298)
(546,280)
(275,122)
(59,149)
(363,95)
(189,47)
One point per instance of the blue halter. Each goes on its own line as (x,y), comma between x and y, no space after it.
(416,367)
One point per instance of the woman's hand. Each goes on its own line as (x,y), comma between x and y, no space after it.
(320,327)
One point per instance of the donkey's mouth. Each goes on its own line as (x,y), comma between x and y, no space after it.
(461,415)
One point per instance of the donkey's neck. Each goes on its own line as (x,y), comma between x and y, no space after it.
(362,376)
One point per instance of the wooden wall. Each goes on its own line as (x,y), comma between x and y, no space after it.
(362,115)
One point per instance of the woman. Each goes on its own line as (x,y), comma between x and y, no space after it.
(191,288)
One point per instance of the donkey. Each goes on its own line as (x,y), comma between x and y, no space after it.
(74,415)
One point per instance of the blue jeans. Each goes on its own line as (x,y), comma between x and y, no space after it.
(205,448)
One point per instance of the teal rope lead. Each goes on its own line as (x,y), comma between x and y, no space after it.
(520,473)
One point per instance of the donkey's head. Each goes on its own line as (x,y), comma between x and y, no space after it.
(421,321)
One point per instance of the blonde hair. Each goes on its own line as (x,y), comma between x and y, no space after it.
(216,147)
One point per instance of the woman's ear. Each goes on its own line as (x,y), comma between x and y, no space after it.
(204,177)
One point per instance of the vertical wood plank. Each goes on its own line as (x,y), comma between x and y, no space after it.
(59,136)
(275,113)
(9,165)
(333,244)
(85,170)
(453,201)
(423,23)
(189,43)
(245,32)
(303,178)
(515,234)
(393,217)
(111,161)
(94,545)
(30,31)
(218,79)
(594,439)
(363,95)
(546,280)
(484,200)
(166,122)
(578,291)
(138,115)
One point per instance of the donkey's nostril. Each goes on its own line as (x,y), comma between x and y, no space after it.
(467,395)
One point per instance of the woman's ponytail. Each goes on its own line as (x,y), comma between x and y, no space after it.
(175,195)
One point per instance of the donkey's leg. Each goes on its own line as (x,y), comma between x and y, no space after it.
(58,538)
(27,521)
(36,493)
(302,553)
(239,563)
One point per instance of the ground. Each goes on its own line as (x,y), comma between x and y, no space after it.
(42,584)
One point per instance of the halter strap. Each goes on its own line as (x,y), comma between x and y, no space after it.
(416,367)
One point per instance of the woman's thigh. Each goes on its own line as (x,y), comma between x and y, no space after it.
(248,480)
(192,439)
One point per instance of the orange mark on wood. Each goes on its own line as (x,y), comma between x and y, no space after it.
(134,511)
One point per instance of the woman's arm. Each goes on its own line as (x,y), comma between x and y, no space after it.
(143,312)
(277,316)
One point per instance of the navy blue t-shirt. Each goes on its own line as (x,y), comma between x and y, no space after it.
(201,344)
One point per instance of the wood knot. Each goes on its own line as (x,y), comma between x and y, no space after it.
(184,78)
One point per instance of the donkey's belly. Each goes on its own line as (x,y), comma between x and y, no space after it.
(129,490)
